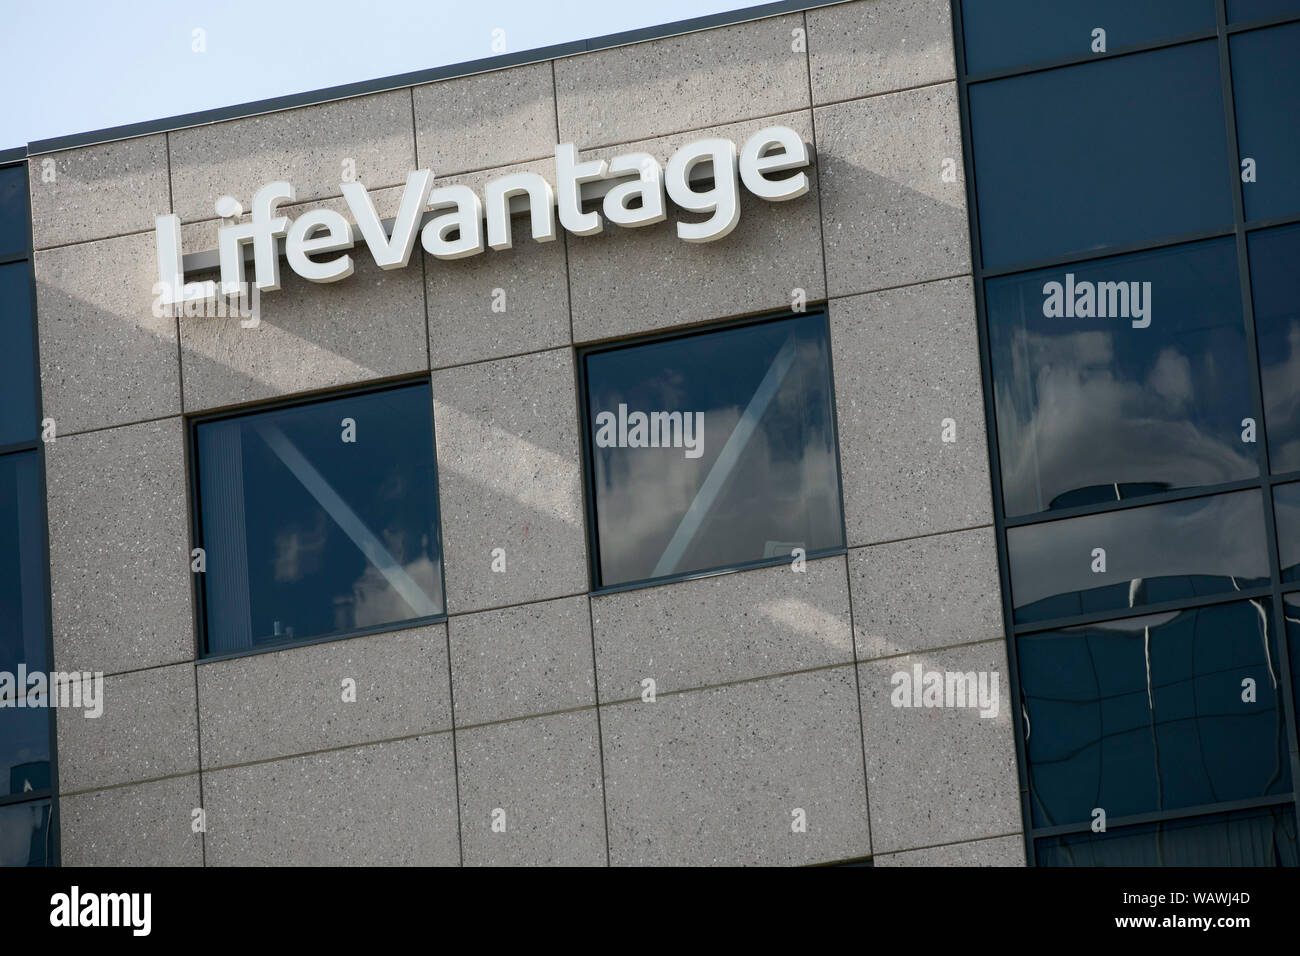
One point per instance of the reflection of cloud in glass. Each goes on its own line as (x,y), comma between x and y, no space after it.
(1171,377)
(1221,535)
(298,552)
(1286,508)
(784,486)
(1282,401)
(376,601)
(646,493)
(17,824)
(1090,425)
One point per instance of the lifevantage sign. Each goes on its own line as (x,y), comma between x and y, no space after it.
(450,219)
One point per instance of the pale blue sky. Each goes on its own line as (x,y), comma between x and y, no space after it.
(74,66)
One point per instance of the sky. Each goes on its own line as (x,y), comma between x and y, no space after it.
(80,65)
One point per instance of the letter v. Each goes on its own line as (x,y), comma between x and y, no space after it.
(394,252)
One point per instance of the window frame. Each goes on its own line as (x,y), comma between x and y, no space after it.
(198,590)
(594,584)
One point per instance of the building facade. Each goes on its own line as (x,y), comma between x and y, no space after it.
(874,441)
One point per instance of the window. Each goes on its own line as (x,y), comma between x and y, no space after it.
(1005,33)
(26,836)
(17,367)
(25,742)
(318,519)
(1261,9)
(13,211)
(1266,90)
(1126,559)
(1275,283)
(692,471)
(1148,713)
(1137,383)
(1286,511)
(1291,608)
(1263,837)
(1100,154)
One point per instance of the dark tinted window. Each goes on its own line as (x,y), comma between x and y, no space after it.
(24,742)
(1291,608)
(25,838)
(1006,33)
(1100,154)
(17,385)
(1275,285)
(713,450)
(1266,92)
(1286,511)
(1092,409)
(1147,713)
(13,211)
(1261,837)
(1169,552)
(307,534)
(1240,10)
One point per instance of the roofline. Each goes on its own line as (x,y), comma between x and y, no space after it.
(415,78)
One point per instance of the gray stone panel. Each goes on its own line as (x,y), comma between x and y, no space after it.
(150,824)
(470,320)
(625,281)
(389,804)
(119,548)
(509,478)
(938,774)
(680,83)
(489,119)
(106,359)
(905,360)
(998,851)
(292,701)
(306,147)
(713,777)
(543,775)
(888,215)
(146,731)
(878,46)
(925,592)
(98,191)
(517,661)
(722,628)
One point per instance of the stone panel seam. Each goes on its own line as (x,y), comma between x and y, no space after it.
(122,785)
(906,285)
(600,733)
(341,748)
(140,421)
(918,537)
(730,683)
(999,640)
(937,846)
(880,93)
(86,242)
(455,756)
